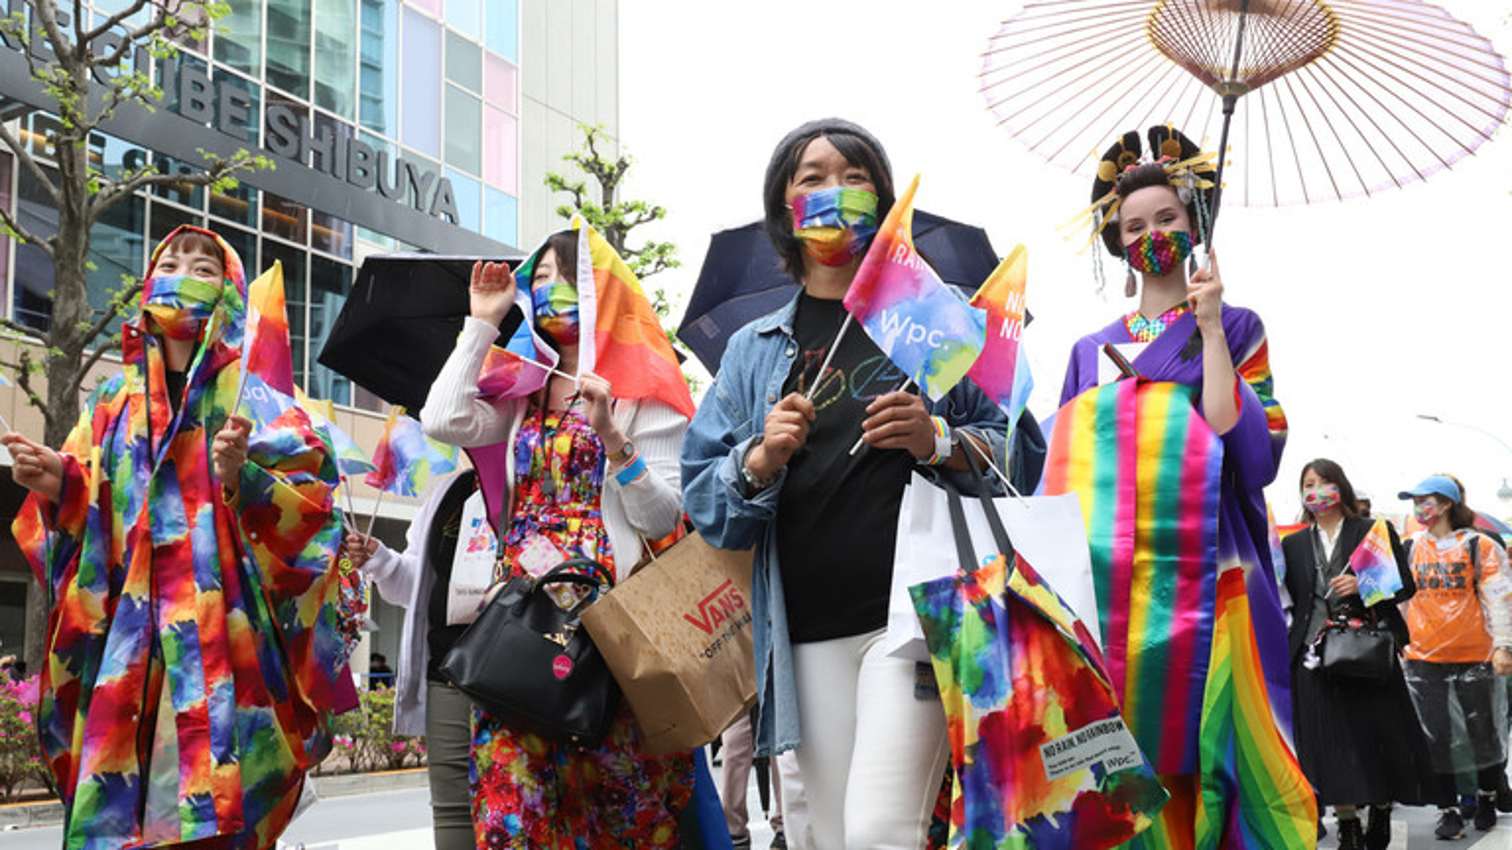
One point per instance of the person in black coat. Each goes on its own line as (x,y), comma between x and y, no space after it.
(1358,740)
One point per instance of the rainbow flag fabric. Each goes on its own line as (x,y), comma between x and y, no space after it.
(1003,369)
(1146,469)
(1254,795)
(1375,567)
(923,326)
(350,458)
(1042,756)
(505,374)
(406,460)
(265,348)
(622,337)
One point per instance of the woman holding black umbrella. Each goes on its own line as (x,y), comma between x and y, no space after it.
(767,463)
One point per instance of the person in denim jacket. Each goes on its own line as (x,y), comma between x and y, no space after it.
(765,466)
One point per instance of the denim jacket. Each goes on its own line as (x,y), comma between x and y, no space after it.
(755,366)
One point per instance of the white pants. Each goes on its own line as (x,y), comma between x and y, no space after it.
(874,747)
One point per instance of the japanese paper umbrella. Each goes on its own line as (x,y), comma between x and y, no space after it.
(1326,99)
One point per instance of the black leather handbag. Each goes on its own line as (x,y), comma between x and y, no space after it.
(1357,652)
(529,662)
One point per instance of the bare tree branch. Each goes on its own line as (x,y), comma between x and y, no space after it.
(26,236)
(149,177)
(90,362)
(24,156)
(23,371)
(114,21)
(18,330)
(47,15)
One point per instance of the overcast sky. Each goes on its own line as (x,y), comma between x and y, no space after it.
(1377,309)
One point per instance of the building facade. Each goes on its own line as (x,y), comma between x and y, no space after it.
(395,125)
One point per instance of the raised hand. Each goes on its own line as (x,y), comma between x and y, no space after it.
(491,292)
(229,450)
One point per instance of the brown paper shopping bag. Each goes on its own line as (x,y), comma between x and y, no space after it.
(677,637)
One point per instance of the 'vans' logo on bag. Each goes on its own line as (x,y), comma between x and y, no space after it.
(717,608)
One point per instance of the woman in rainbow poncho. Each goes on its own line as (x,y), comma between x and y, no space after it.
(1167,433)
(193,654)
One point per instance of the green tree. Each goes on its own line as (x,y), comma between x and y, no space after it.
(615,217)
(89,70)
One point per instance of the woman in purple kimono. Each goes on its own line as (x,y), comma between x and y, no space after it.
(1169,467)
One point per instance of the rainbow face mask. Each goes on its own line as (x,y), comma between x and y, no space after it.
(556,310)
(1159,252)
(835,225)
(181,304)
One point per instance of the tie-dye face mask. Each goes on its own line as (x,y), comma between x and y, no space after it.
(180,304)
(556,310)
(835,225)
(1159,252)
(1321,499)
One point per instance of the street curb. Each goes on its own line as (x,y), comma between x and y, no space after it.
(15,816)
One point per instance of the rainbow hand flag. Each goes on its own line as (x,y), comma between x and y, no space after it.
(622,337)
(923,326)
(505,374)
(350,458)
(265,346)
(406,460)
(1375,566)
(1003,370)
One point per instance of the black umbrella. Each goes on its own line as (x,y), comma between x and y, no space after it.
(401,322)
(741,279)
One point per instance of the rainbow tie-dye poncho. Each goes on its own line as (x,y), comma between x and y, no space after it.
(193,655)
(1172,509)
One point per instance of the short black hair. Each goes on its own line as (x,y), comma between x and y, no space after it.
(859,148)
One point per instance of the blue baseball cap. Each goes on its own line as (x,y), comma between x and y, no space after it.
(1435,485)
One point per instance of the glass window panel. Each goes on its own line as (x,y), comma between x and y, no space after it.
(283,218)
(503,35)
(501,216)
(34,271)
(244,242)
(330,282)
(463,16)
(501,150)
(469,205)
(379,66)
(336,56)
(238,37)
(499,80)
(166,217)
(288,64)
(431,7)
(294,261)
(171,92)
(238,205)
(464,62)
(193,16)
(113,157)
(253,120)
(464,142)
(179,191)
(422,83)
(331,234)
(115,249)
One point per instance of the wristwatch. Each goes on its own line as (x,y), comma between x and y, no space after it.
(753,484)
(626,452)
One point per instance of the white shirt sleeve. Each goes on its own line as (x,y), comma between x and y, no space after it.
(453,412)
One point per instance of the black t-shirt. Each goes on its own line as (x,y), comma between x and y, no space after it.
(440,548)
(838,514)
(176,383)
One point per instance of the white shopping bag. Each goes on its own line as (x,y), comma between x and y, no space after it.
(1047,530)
(473,564)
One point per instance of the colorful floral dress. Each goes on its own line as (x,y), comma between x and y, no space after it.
(528,792)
